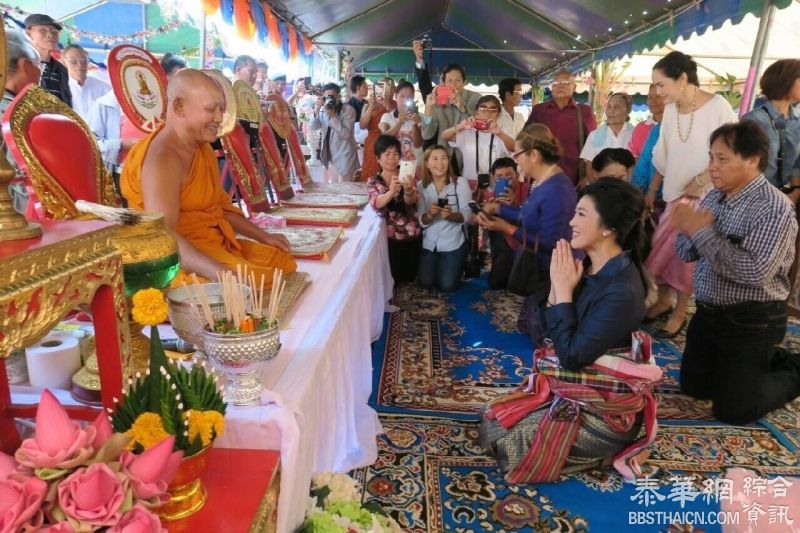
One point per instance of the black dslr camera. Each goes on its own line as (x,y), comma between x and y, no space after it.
(330,102)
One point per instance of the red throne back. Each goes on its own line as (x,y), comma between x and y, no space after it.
(57,151)
(71,163)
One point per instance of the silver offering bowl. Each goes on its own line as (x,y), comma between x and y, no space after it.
(241,359)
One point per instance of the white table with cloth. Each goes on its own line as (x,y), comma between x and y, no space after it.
(314,409)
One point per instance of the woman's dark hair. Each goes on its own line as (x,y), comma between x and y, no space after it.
(171,62)
(621,209)
(454,66)
(403,84)
(613,155)
(507,86)
(778,80)
(746,139)
(676,63)
(537,136)
(489,98)
(384,142)
(503,162)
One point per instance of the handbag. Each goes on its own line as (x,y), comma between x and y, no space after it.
(524,278)
(472,261)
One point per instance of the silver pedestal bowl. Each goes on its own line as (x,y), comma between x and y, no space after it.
(241,359)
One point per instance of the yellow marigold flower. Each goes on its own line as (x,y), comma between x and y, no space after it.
(149,307)
(147,430)
(206,424)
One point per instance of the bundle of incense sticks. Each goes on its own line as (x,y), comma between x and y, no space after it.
(235,299)
(278,286)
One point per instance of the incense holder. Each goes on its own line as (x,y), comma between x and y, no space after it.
(188,323)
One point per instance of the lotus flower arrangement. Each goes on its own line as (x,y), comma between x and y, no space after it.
(169,399)
(68,478)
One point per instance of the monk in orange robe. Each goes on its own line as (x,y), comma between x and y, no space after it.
(174,171)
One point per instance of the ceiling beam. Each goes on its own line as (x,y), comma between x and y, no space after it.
(388,49)
(451,49)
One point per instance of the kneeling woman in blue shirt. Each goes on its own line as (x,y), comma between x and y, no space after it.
(444,209)
(596,304)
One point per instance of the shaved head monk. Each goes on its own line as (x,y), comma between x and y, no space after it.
(174,171)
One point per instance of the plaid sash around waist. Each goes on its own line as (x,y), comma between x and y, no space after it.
(617,399)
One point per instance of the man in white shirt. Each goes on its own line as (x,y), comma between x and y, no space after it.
(511,121)
(85,89)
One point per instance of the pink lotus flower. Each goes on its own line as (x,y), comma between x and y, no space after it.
(138,520)
(21,503)
(93,495)
(60,442)
(151,472)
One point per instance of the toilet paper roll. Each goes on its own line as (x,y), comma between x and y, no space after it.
(52,361)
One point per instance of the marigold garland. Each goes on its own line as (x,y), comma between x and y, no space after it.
(149,307)
(147,430)
(207,424)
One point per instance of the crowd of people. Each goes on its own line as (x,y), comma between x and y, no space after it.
(690,204)
(583,220)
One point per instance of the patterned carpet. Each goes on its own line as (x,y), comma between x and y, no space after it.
(442,358)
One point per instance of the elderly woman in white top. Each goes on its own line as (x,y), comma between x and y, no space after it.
(681,160)
(615,132)
(444,206)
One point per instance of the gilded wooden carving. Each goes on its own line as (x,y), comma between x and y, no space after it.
(38,288)
(54,198)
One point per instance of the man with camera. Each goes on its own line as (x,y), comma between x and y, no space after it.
(446,104)
(337,121)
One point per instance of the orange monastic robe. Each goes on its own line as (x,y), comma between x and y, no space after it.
(201,218)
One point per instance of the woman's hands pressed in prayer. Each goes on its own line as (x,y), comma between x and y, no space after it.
(565,273)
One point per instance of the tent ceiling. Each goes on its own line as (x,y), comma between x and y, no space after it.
(527,38)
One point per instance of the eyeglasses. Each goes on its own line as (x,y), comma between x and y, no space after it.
(515,155)
(561,83)
(490,109)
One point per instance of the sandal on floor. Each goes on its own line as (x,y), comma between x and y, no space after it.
(660,316)
(664,334)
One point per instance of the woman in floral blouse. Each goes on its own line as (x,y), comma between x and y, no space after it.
(395,197)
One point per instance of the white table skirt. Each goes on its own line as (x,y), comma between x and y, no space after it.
(315,407)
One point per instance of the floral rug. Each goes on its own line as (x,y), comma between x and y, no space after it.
(432,476)
(442,357)
(448,355)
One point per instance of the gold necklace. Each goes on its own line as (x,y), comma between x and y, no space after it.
(691,118)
